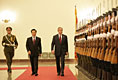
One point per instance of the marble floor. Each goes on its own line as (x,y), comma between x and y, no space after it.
(15,73)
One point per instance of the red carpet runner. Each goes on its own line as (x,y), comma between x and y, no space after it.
(47,73)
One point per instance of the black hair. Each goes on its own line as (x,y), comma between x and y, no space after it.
(33,30)
(9,28)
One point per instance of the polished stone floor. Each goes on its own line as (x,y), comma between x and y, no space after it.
(15,73)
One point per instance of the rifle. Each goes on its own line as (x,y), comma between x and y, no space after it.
(111,46)
(93,40)
(102,54)
(100,39)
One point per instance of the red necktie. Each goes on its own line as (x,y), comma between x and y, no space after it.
(34,41)
(60,38)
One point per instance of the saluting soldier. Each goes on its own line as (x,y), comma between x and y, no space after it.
(10,43)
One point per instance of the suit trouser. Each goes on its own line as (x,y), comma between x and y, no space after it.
(34,63)
(62,57)
(9,55)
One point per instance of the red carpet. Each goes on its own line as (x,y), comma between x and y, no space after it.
(47,73)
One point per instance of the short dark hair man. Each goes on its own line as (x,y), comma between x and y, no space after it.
(34,49)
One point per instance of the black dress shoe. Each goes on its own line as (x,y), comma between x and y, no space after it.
(36,74)
(62,74)
(9,70)
(32,74)
(58,74)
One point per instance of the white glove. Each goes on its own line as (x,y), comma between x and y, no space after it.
(8,44)
(4,44)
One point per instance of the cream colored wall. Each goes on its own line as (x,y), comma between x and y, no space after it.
(45,16)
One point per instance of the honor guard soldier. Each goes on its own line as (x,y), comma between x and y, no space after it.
(114,59)
(10,43)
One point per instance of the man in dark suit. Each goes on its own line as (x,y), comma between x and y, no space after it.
(34,49)
(60,42)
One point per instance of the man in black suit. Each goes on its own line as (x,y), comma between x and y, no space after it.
(60,42)
(34,49)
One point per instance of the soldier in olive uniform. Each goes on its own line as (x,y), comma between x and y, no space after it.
(10,43)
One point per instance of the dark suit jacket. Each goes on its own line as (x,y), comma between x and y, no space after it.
(60,48)
(35,49)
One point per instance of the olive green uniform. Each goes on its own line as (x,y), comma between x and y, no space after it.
(9,42)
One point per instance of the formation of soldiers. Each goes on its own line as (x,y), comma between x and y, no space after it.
(97,46)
